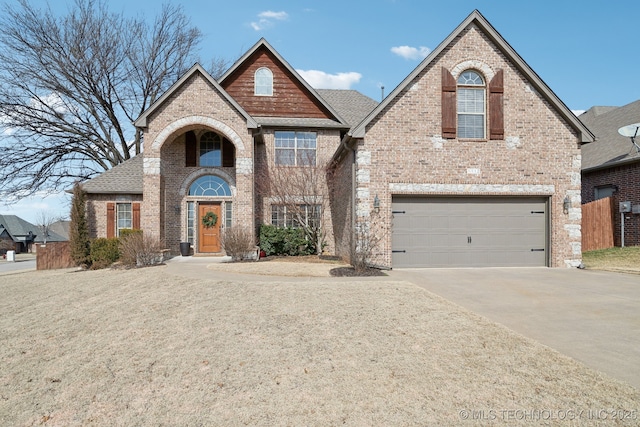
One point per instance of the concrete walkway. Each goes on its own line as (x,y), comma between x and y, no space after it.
(591,316)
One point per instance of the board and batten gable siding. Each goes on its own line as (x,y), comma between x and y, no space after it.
(289,99)
(405,150)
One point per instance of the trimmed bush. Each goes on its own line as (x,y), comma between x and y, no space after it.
(139,250)
(283,241)
(127,232)
(104,252)
(237,242)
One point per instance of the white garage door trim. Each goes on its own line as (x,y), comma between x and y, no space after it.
(470,231)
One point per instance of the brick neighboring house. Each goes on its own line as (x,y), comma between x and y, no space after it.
(611,166)
(466,163)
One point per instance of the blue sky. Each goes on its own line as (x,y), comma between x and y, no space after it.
(584,51)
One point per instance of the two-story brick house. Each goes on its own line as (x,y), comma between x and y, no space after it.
(471,161)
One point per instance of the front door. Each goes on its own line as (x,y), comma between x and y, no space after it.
(209,220)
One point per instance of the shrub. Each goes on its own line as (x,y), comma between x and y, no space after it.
(283,241)
(237,242)
(78,229)
(126,232)
(139,250)
(104,252)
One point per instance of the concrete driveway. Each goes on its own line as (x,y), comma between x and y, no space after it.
(591,316)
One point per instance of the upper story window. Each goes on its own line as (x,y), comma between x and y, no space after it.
(210,149)
(471,96)
(263,84)
(295,148)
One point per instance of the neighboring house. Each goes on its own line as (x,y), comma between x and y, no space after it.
(23,234)
(468,162)
(611,166)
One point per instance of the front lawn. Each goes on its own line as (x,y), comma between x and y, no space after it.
(627,258)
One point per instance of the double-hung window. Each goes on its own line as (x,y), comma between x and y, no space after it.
(471,105)
(124,217)
(295,148)
(295,216)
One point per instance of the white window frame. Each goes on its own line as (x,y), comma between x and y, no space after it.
(122,209)
(263,82)
(473,83)
(282,217)
(297,147)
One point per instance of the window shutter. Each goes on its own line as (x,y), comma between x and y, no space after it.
(190,148)
(111,220)
(448,105)
(496,106)
(135,216)
(228,153)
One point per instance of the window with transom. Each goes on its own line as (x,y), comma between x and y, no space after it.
(471,101)
(295,148)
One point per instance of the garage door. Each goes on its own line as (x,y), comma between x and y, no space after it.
(469,232)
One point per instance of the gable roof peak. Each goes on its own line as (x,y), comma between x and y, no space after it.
(264,43)
(509,52)
(141,122)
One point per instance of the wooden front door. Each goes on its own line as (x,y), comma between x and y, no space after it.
(209,237)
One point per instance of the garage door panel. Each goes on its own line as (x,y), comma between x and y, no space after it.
(469,232)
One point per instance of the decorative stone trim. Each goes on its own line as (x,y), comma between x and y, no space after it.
(244,165)
(197,120)
(473,64)
(363,176)
(438,141)
(363,158)
(151,165)
(515,189)
(513,142)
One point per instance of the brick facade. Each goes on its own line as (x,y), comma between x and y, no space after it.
(401,150)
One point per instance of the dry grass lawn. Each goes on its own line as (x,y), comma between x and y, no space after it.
(143,347)
(625,259)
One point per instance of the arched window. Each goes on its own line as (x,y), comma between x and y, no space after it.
(471,105)
(263,84)
(210,185)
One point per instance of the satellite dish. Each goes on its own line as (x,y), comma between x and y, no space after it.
(630,131)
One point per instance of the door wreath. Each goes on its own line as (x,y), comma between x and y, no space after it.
(209,219)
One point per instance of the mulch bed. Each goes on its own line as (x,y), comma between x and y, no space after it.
(352,272)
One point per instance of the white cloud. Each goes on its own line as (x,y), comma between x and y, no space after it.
(409,52)
(267,19)
(321,80)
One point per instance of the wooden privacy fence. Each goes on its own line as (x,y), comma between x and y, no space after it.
(54,255)
(597,224)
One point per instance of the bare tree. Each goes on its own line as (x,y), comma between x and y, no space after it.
(70,86)
(44,221)
(302,197)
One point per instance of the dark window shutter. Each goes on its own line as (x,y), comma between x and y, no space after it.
(228,153)
(135,214)
(111,220)
(190,148)
(448,105)
(496,106)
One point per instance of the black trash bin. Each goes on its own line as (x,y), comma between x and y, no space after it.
(185,248)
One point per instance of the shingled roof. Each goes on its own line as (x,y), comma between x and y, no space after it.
(126,178)
(350,104)
(19,229)
(611,148)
